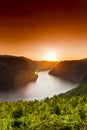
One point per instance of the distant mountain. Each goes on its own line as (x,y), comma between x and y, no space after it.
(45,65)
(16,72)
(72,71)
(81,90)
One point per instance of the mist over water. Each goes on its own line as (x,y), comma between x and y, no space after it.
(45,86)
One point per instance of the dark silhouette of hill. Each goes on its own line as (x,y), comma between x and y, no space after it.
(81,90)
(73,71)
(16,72)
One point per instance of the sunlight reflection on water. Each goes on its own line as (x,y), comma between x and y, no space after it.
(45,86)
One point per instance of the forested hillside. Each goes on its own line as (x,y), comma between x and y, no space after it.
(49,114)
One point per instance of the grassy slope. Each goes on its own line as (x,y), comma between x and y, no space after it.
(81,90)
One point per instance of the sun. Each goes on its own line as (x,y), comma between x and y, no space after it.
(50,56)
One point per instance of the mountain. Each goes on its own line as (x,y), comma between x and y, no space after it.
(45,65)
(81,90)
(16,72)
(72,71)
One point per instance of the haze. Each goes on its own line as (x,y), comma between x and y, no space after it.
(35,28)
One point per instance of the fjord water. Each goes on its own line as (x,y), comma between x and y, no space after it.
(45,86)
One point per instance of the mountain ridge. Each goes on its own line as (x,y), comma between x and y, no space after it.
(72,71)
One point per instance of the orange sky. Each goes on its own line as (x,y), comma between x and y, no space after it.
(40,26)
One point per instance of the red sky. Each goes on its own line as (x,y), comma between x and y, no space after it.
(35,27)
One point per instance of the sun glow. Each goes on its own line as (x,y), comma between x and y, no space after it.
(50,57)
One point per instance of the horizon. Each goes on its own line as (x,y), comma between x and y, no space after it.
(34,59)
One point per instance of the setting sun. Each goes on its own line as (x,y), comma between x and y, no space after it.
(50,57)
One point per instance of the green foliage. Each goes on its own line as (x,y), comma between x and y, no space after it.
(81,90)
(16,123)
(55,113)
(17,113)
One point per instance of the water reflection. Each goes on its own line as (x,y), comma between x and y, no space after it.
(45,86)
